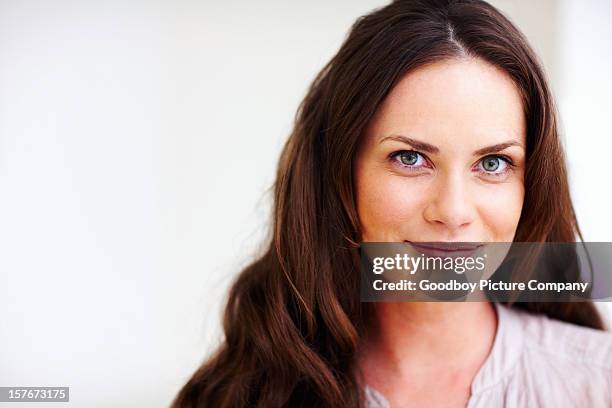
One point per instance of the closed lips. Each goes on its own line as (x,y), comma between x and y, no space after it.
(446,248)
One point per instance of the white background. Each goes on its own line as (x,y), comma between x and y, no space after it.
(137,141)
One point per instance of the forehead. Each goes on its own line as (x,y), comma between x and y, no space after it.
(458,99)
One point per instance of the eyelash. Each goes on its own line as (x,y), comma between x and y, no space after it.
(508,161)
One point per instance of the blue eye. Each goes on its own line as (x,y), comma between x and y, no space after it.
(408,158)
(494,164)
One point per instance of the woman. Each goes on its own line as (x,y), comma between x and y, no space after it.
(433,122)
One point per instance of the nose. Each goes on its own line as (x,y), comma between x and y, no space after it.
(451,206)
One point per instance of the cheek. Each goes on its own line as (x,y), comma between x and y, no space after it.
(500,208)
(388,205)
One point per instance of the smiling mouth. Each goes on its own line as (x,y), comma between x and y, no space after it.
(445,248)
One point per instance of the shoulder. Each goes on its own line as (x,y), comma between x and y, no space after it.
(549,361)
(566,342)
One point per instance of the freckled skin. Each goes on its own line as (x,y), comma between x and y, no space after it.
(459,106)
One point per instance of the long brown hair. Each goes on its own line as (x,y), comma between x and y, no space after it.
(293,319)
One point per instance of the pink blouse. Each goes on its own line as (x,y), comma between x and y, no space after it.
(538,362)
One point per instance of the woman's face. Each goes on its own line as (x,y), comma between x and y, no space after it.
(443,158)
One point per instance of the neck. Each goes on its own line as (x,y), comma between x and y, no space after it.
(410,337)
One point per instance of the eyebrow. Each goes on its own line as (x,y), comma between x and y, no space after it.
(417,144)
(497,147)
(429,148)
